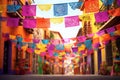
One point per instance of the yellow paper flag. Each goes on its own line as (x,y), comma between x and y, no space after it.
(56,20)
(45,7)
(12,37)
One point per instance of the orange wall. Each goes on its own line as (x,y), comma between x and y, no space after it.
(14,31)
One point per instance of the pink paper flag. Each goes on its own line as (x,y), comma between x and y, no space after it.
(29,10)
(12,22)
(71,21)
(81,38)
(111,29)
(100,33)
(101,16)
(29,23)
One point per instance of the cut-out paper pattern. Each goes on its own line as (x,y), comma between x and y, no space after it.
(45,7)
(13,8)
(91,6)
(29,23)
(12,22)
(101,17)
(43,23)
(60,9)
(71,21)
(75,5)
(29,10)
(107,2)
(56,20)
(114,12)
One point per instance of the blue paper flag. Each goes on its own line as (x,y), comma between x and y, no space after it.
(55,54)
(88,44)
(45,41)
(19,39)
(107,2)
(60,9)
(59,47)
(13,8)
(75,5)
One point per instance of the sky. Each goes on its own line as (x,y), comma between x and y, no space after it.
(69,32)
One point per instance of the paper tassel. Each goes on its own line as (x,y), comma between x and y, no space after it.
(60,9)
(44,7)
(12,22)
(111,29)
(29,23)
(101,17)
(71,21)
(43,23)
(29,10)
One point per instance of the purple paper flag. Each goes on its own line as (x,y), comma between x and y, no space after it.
(111,29)
(29,10)
(12,22)
(51,47)
(71,21)
(29,23)
(101,17)
(36,40)
(81,38)
(66,40)
(100,33)
(60,9)
(118,2)
(90,35)
(75,49)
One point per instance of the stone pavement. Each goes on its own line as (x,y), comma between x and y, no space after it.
(58,77)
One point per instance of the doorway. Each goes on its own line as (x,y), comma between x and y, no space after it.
(7,57)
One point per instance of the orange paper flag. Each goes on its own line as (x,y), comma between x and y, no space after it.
(91,6)
(43,23)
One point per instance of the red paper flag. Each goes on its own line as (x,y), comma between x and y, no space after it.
(114,12)
(91,6)
(43,23)
(118,27)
